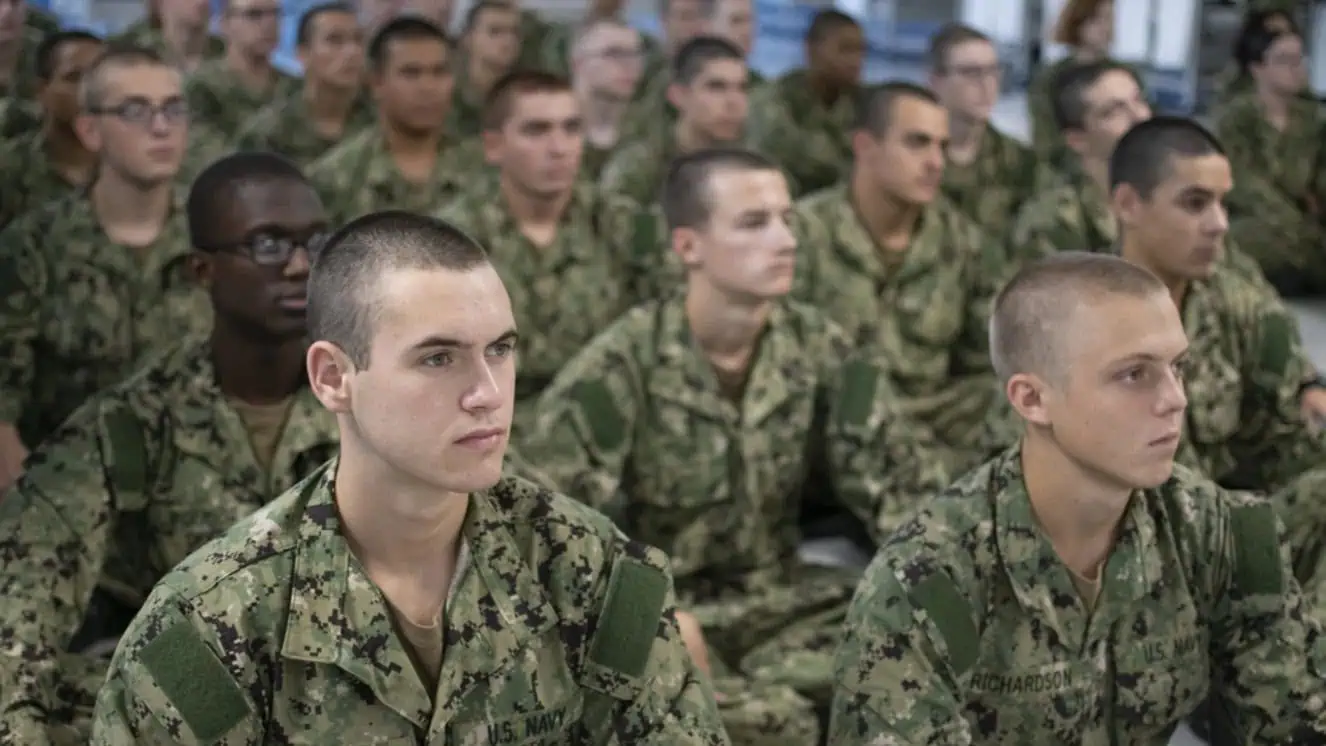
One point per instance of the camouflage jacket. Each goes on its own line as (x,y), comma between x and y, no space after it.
(143,34)
(141,476)
(79,312)
(967,628)
(1246,366)
(218,97)
(284,127)
(565,293)
(812,142)
(559,630)
(638,425)
(30,178)
(926,314)
(359,176)
(990,189)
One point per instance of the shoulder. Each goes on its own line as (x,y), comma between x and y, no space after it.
(824,203)
(622,342)
(1055,202)
(561,533)
(812,327)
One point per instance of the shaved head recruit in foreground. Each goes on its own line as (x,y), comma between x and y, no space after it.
(408,592)
(1081,587)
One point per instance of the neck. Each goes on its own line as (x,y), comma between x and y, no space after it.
(823,87)
(325,101)
(247,66)
(724,329)
(884,217)
(531,209)
(1079,517)
(479,79)
(965,133)
(1098,171)
(1177,286)
(256,371)
(1274,105)
(689,139)
(64,148)
(404,144)
(119,202)
(393,525)
(601,113)
(1088,54)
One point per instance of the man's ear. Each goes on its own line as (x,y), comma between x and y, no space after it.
(329,374)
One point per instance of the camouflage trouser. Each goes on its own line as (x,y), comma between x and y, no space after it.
(756,713)
(781,643)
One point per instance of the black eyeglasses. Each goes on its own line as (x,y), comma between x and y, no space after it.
(141,113)
(275,251)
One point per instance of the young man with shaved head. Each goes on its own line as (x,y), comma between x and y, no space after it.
(700,420)
(1081,586)
(408,592)
(1252,391)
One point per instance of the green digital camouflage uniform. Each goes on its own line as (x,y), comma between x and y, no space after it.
(359,176)
(565,293)
(639,426)
(284,127)
(206,144)
(79,312)
(558,630)
(30,179)
(543,45)
(1245,427)
(593,159)
(968,629)
(990,189)
(1072,213)
(812,142)
(465,120)
(925,310)
(141,476)
(144,34)
(1277,180)
(217,96)
(1047,140)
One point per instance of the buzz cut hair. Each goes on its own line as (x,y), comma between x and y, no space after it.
(501,99)
(307,19)
(45,57)
(1145,155)
(212,194)
(696,55)
(826,22)
(343,301)
(115,56)
(1032,314)
(477,10)
(403,28)
(875,105)
(688,197)
(1068,91)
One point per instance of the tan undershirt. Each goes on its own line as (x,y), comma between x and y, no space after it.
(1087,588)
(426,643)
(731,384)
(265,423)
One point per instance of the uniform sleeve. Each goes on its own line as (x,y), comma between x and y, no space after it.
(55,529)
(633,171)
(1268,654)
(986,271)
(1279,442)
(169,684)
(1042,228)
(24,280)
(655,695)
(584,424)
(894,683)
(883,463)
(771,129)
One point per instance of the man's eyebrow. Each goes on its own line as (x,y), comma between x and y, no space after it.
(435,341)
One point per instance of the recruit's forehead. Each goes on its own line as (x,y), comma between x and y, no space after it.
(410,305)
(1104,329)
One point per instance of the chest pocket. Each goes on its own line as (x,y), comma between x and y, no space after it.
(543,727)
(90,319)
(1159,682)
(1215,392)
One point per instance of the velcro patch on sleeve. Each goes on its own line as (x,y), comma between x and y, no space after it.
(632,612)
(1257,566)
(950,612)
(195,681)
